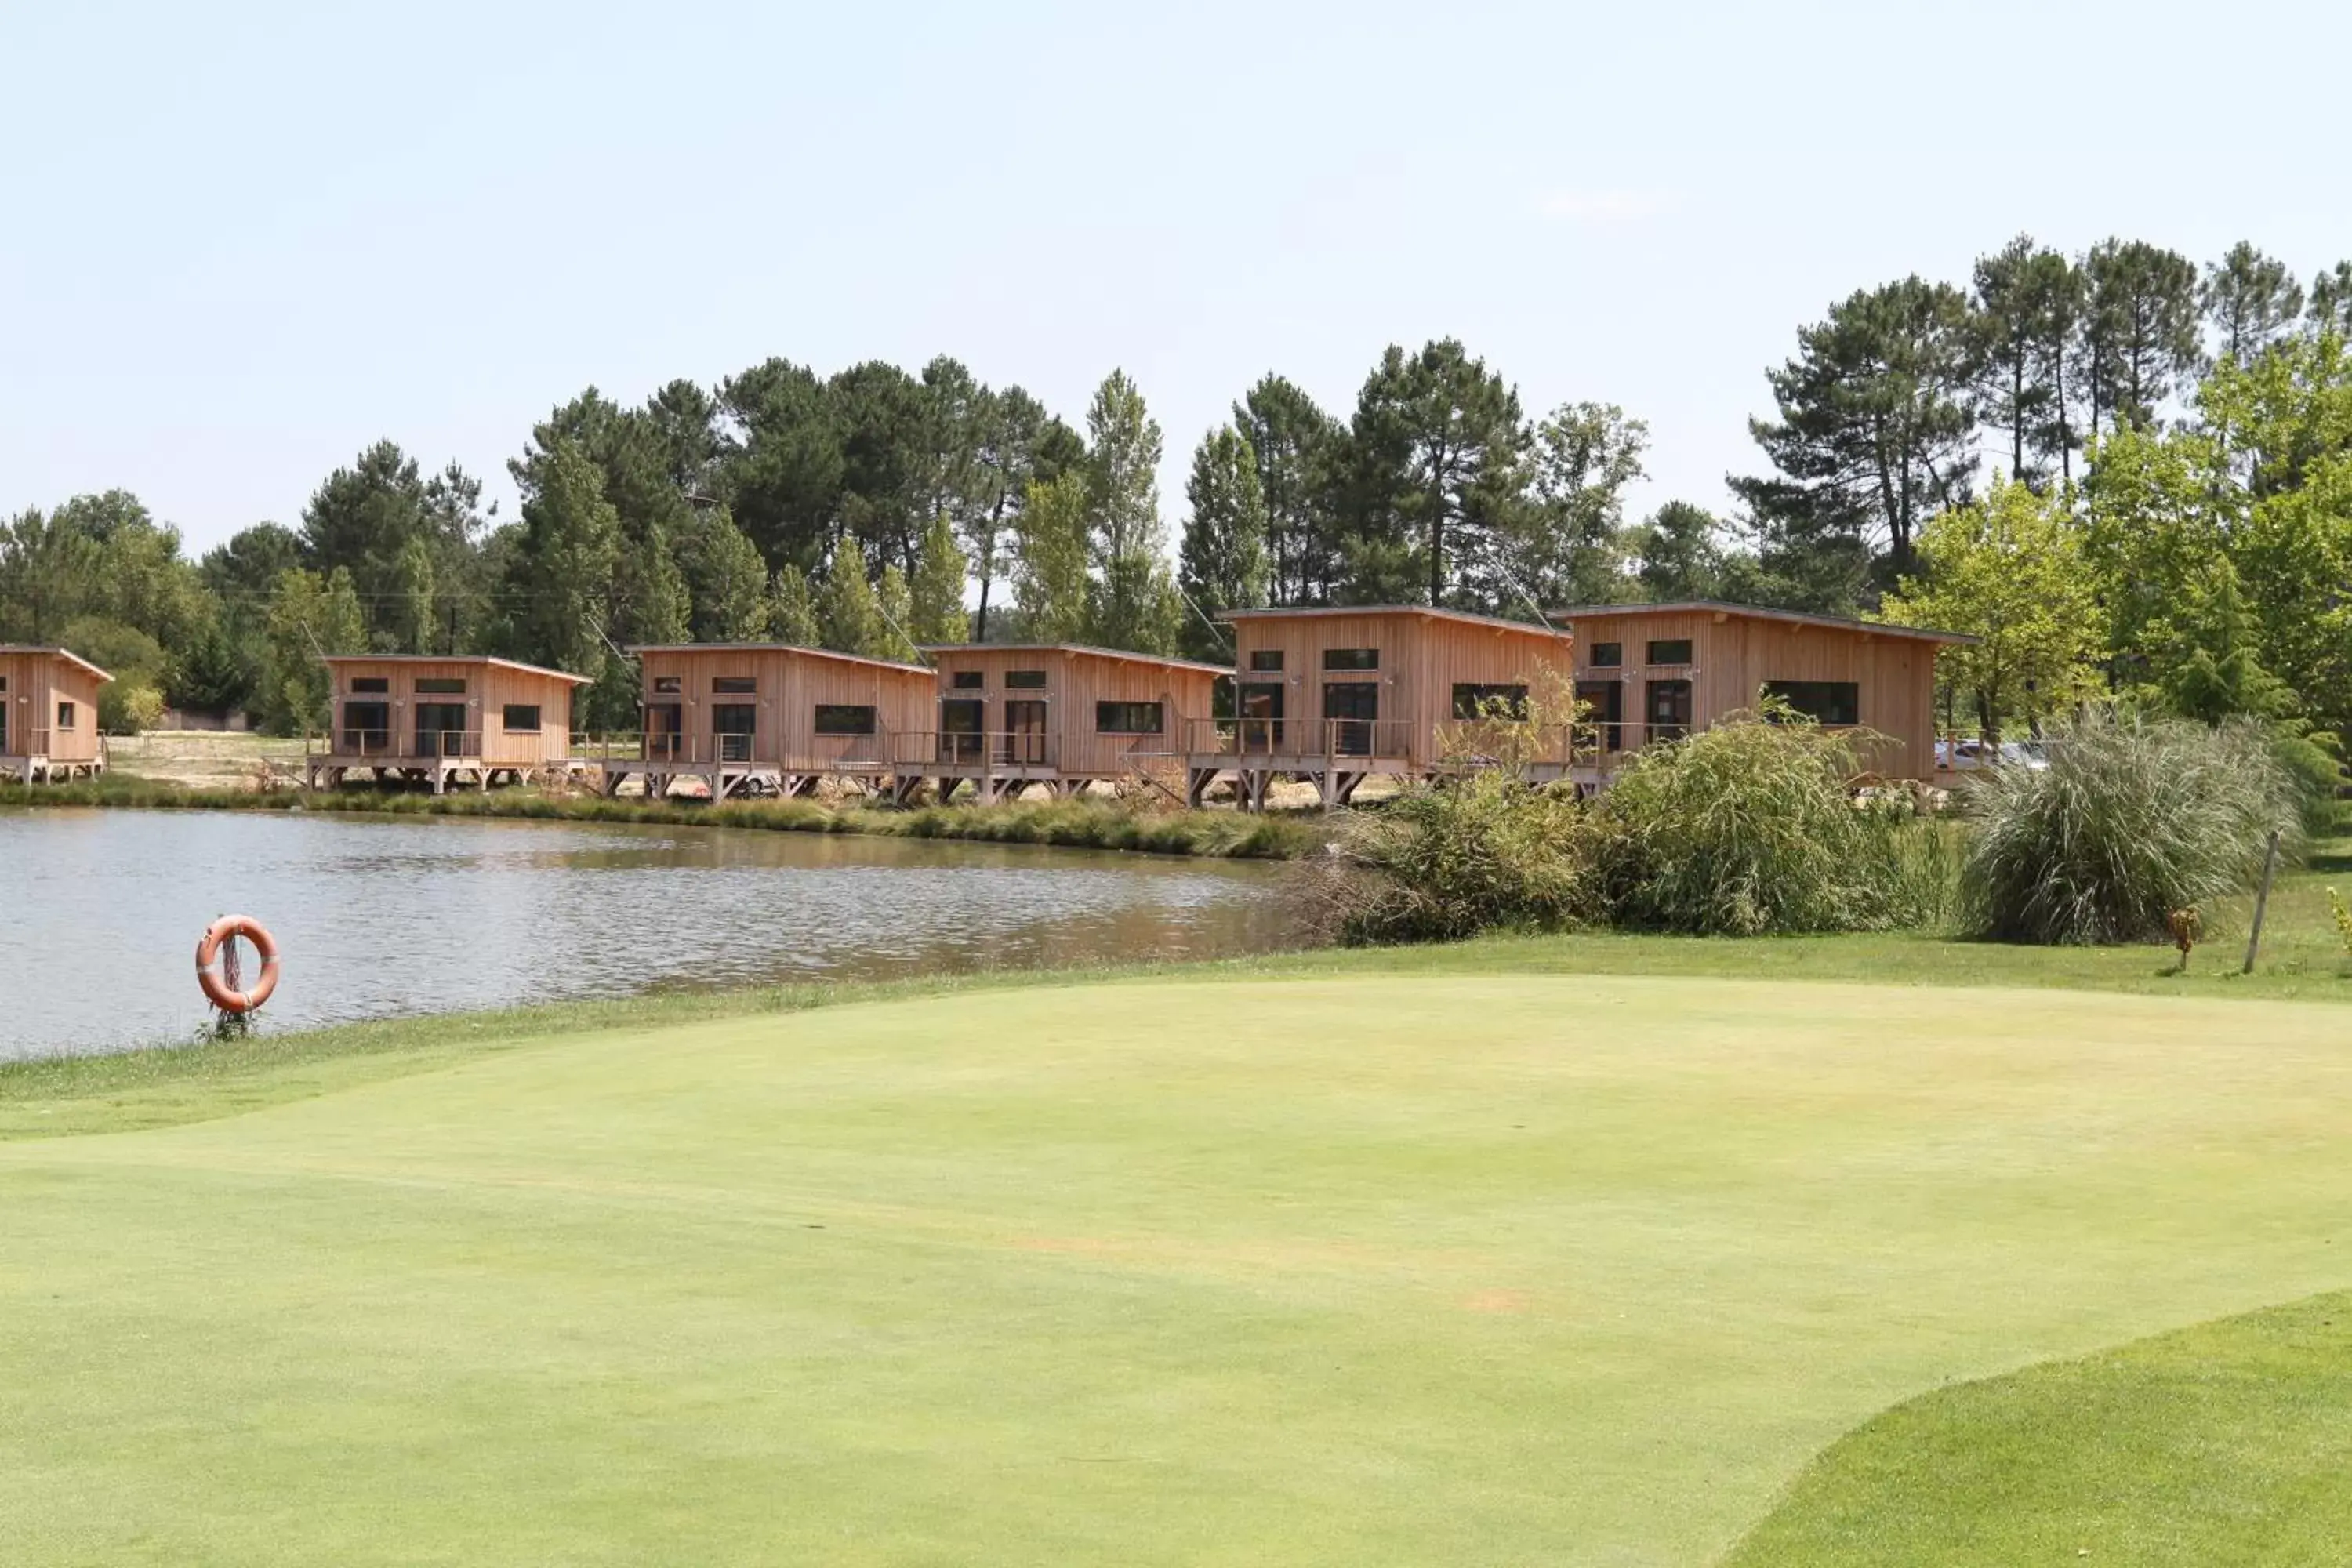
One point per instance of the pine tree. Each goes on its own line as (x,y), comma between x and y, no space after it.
(309,615)
(571,545)
(2251,300)
(1224,562)
(852,624)
(792,609)
(1435,474)
(725,582)
(1877,433)
(2139,333)
(1680,555)
(2028,302)
(1299,451)
(1566,543)
(1049,578)
(2330,309)
(938,615)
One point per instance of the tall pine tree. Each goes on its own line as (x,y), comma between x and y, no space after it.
(1222,564)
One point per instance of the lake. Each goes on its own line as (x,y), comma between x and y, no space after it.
(378,917)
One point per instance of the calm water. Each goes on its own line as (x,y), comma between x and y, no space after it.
(383,917)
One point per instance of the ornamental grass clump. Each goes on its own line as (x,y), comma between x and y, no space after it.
(2133,819)
(1753,828)
(1442,862)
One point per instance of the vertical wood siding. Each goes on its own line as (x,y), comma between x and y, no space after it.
(793,682)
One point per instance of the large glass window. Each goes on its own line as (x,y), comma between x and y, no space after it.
(1351,659)
(1671,650)
(1023,680)
(1128,718)
(1490,701)
(520,719)
(440,686)
(844,719)
(1607,655)
(1825,701)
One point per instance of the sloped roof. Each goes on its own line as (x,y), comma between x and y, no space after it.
(1077,647)
(778,648)
(481,658)
(64,653)
(1758,612)
(1501,622)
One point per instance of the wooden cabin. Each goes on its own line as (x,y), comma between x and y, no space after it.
(770,716)
(430,719)
(1063,715)
(1335,695)
(1647,672)
(49,715)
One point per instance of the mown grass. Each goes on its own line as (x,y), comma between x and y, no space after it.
(1075,825)
(1358,1268)
(2225,1443)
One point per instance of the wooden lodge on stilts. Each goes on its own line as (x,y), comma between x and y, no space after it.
(770,718)
(1061,716)
(49,715)
(1333,697)
(424,718)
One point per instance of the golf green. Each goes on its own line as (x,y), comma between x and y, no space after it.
(1404,1269)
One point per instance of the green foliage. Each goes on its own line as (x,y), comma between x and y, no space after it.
(2010,571)
(936,613)
(1223,564)
(1299,452)
(1567,545)
(2132,819)
(569,553)
(1050,584)
(1749,828)
(1435,479)
(2029,301)
(846,606)
(309,616)
(894,608)
(1877,432)
(1440,863)
(2341,913)
(133,700)
(726,580)
(1133,605)
(2140,337)
(793,610)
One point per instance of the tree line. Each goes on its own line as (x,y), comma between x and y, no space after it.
(2169,420)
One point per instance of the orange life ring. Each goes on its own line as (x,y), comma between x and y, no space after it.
(208,974)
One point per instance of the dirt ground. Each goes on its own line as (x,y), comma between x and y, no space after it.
(205,758)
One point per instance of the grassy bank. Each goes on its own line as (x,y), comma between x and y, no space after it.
(1076,825)
(1363,1259)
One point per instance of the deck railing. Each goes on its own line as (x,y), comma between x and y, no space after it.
(862,752)
(365,745)
(916,749)
(24,743)
(1300,739)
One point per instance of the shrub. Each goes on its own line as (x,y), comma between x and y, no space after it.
(1751,828)
(1447,862)
(2133,819)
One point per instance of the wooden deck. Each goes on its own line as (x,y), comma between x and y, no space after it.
(453,760)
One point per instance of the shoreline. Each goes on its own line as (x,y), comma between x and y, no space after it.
(1065,825)
(169,1083)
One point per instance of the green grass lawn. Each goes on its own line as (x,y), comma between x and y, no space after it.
(2224,1444)
(1350,1259)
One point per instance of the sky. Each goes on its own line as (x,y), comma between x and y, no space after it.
(245,241)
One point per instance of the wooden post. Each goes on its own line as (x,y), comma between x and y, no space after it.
(2261,902)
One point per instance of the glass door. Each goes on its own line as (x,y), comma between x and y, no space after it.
(1025,731)
(1668,709)
(734,726)
(367,727)
(1601,703)
(1355,706)
(964,723)
(440,730)
(662,732)
(1261,716)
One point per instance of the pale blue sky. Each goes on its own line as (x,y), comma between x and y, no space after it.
(244,240)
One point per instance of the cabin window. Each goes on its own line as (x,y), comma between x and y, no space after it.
(734,685)
(1824,701)
(440,686)
(1023,680)
(968,679)
(667,685)
(1351,659)
(1482,701)
(1671,650)
(4,683)
(65,715)
(371,686)
(522,719)
(1265,659)
(1128,718)
(1607,655)
(844,719)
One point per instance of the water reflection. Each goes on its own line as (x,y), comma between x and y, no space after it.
(380,917)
